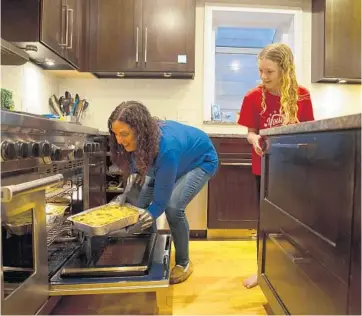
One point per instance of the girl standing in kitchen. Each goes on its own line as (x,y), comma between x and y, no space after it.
(278,100)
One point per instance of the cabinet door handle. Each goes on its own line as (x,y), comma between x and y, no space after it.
(146,41)
(294,146)
(295,259)
(137,35)
(65,9)
(71,11)
(236,163)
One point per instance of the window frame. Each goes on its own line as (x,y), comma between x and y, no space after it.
(210,49)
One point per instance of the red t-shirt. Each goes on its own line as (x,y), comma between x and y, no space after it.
(251,117)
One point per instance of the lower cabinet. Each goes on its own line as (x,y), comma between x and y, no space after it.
(309,241)
(232,195)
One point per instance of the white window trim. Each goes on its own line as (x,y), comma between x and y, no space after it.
(209,45)
(237,50)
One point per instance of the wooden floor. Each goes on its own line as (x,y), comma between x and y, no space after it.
(215,287)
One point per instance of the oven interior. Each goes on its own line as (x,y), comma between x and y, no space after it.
(71,252)
(111,257)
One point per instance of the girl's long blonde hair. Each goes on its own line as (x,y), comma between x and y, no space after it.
(282,55)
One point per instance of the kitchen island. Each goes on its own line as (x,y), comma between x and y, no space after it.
(309,259)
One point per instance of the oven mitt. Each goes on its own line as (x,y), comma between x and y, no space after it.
(130,195)
(131,191)
(145,221)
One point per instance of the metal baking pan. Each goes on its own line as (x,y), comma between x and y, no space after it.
(52,218)
(21,228)
(107,228)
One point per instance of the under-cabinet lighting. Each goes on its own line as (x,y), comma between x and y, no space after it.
(49,62)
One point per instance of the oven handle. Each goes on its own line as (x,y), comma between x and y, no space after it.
(168,244)
(166,258)
(293,146)
(11,191)
(165,264)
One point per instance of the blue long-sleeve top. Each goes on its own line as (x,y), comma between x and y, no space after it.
(182,148)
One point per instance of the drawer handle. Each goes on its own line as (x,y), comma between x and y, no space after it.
(236,163)
(293,258)
(293,146)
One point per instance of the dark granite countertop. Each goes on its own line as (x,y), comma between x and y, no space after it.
(336,123)
(220,135)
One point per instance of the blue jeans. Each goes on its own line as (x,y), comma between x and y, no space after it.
(185,189)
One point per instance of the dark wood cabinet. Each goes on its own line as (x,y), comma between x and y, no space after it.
(336,41)
(141,38)
(50,31)
(307,215)
(74,49)
(354,293)
(232,197)
(115,35)
(52,24)
(169,35)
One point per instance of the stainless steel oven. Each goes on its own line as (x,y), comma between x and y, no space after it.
(34,148)
(24,271)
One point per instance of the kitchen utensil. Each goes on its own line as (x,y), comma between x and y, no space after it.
(67,102)
(86,104)
(83,108)
(68,95)
(56,101)
(75,105)
(79,110)
(54,105)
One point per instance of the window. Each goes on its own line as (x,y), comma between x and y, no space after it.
(234,36)
(236,72)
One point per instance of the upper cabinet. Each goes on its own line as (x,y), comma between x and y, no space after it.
(50,31)
(336,41)
(114,35)
(73,44)
(141,38)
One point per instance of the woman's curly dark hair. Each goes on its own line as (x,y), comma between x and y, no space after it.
(147,133)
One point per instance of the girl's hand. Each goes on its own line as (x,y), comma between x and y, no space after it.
(257,142)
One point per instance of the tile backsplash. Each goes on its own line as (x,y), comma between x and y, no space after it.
(31,87)
(180,100)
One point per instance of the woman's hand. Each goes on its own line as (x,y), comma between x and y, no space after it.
(145,221)
(135,179)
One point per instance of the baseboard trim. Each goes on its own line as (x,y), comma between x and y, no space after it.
(237,234)
(194,234)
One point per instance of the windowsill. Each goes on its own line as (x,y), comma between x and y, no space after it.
(220,123)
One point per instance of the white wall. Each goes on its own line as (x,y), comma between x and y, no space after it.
(183,99)
(31,87)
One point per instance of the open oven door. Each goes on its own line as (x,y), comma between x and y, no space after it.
(108,265)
